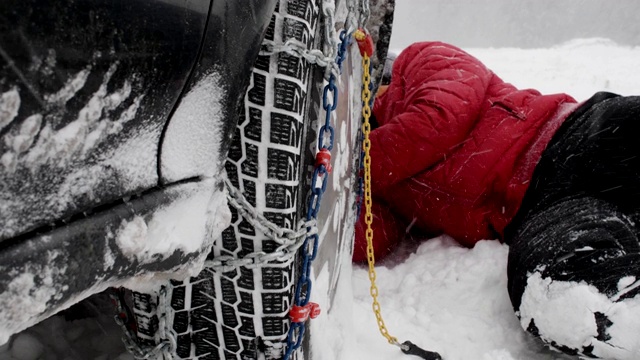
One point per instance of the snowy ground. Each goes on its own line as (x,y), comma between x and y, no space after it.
(442,297)
(454,300)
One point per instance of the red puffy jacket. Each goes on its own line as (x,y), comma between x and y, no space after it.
(455,148)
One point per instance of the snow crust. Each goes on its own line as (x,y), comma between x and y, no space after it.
(192,141)
(9,106)
(189,224)
(179,226)
(443,298)
(27,295)
(564,311)
(70,88)
(40,145)
(77,138)
(85,182)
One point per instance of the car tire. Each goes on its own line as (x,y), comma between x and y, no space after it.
(242,313)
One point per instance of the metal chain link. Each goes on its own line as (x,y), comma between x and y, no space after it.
(365,12)
(296,48)
(330,44)
(319,182)
(289,240)
(368,201)
(280,235)
(325,58)
(166,334)
(350,23)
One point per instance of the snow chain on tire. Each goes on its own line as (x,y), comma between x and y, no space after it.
(242,313)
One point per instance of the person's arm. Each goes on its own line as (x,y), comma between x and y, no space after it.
(434,98)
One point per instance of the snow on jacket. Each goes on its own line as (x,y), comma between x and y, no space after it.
(455,148)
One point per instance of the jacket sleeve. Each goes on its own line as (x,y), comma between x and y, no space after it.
(434,98)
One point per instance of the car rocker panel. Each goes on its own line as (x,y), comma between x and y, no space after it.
(115,119)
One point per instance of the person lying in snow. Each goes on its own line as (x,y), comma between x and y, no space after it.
(456,150)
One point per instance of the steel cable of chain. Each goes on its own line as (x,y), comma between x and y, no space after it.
(364,14)
(166,343)
(166,334)
(296,48)
(303,288)
(350,22)
(330,45)
(289,241)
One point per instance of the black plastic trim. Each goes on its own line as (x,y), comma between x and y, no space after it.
(181,95)
(71,258)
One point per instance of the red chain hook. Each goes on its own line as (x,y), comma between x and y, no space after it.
(365,42)
(300,314)
(323,157)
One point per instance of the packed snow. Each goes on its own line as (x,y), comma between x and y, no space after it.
(564,311)
(182,225)
(24,301)
(192,139)
(439,295)
(9,106)
(454,300)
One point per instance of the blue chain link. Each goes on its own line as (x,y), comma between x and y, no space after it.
(310,246)
(329,107)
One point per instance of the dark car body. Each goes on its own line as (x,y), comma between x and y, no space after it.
(115,117)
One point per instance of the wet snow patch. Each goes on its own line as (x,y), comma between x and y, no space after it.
(568,313)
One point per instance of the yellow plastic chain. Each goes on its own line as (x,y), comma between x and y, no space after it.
(368,218)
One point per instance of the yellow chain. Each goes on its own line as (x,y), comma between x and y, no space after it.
(368,218)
